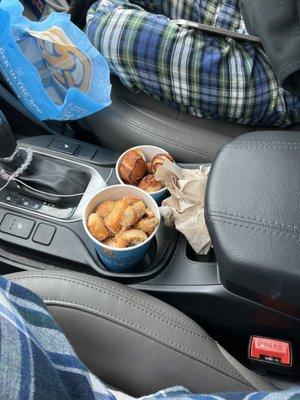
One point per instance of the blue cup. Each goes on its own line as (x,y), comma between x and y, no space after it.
(149,152)
(120,260)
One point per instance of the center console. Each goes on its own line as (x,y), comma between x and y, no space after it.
(39,234)
(50,235)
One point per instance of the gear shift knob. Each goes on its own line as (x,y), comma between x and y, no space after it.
(8,143)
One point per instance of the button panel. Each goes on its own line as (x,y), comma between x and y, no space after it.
(64,146)
(17,226)
(87,152)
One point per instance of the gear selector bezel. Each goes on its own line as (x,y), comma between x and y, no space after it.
(15,198)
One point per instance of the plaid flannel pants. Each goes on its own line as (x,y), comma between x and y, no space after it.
(204,75)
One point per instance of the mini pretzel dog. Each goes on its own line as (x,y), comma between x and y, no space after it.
(122,223)
(136,171)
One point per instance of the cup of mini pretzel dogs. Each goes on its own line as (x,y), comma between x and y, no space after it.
(137,167)
(122,221)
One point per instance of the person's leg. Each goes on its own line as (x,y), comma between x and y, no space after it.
(224,14)
(36,360)
(204,75)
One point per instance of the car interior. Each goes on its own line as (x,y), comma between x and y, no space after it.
(199,319)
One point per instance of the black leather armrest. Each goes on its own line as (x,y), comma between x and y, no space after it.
(253,216)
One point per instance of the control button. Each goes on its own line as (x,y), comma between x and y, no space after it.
(44,234)
(87,152)
(106,156)
(270,350)
(64,146)
(17,226)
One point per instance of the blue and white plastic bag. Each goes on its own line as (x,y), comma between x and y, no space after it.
(51,65)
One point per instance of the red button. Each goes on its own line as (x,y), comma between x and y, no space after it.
(270,350)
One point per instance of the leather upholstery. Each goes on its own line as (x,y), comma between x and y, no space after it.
(52,175)
(253,216)
(136,119)
(133,341)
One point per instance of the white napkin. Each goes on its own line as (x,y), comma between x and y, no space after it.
(185,207)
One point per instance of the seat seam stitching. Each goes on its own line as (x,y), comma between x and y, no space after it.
(155,134)
(147,132)
(174,126)
(233,374)
(116,290)
(138,307)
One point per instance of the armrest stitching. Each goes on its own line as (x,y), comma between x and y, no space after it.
(264,146)
(259,222)
(265,143)
(253,226)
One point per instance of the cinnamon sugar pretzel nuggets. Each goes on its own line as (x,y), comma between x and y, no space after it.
(122,223)
(121,220)
(111,242)
(97,227)
(133,167)
(147,224)
(150,184)
(105,208)
(131,199)
(149,213)
(114,218)
(130,238)
(159,160)
(133,214)
(138,167)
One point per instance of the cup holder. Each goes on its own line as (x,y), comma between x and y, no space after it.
(160,251)
(145,264)
(191,255)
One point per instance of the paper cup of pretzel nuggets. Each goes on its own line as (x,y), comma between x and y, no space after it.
(122,221)
(137,167)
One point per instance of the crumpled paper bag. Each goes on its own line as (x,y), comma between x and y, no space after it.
(185,207)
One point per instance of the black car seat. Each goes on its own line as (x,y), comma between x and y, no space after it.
(134,342)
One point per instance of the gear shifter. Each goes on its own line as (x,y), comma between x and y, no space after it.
(8,142)
(11,157)
(47,178)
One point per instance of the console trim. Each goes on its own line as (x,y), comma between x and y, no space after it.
(96,181)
